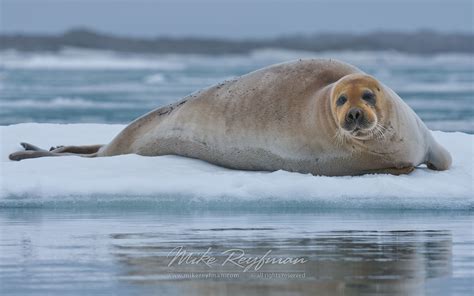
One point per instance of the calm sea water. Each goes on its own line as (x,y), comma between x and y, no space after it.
(127,250)
(130,251)
(99,86)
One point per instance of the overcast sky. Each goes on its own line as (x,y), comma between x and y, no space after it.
(232,18)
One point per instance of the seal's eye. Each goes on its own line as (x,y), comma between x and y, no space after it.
(369,97)
(341,100)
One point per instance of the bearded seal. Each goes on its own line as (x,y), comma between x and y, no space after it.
(317,116)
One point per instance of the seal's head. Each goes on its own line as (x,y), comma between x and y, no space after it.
(357,102)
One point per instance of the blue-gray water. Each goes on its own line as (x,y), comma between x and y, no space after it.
(100,86)
(125,250)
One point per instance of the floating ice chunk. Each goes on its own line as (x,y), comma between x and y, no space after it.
(173,180)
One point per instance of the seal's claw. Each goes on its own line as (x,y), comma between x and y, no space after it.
(54,148)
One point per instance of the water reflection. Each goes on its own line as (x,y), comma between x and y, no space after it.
(335,262)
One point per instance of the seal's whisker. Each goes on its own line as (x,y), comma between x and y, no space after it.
(339,138)
(379,131)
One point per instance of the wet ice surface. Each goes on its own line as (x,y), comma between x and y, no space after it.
(119,251)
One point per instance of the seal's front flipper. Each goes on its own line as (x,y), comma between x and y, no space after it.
(438,158)
(392,171)
(400,171)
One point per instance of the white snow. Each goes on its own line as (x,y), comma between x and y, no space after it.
(173,179)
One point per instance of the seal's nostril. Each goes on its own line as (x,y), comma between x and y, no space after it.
(357,114)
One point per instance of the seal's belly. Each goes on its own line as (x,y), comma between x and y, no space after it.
(236,157)
(258,158)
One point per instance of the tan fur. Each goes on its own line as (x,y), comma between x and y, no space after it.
(353,86)
(283,117)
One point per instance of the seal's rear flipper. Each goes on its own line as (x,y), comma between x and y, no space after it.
(20,155)
(30,147)
(32,151)
(85,149)
(438,159)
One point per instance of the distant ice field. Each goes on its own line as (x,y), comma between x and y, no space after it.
(90,86)
(172,181)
